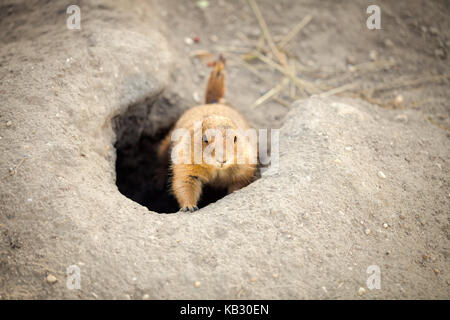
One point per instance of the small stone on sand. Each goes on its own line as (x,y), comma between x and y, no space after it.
(434,31)
(388,43)
(361,291)
(440,53)
(401,118)
(398,100)
(51,279)
(381,175)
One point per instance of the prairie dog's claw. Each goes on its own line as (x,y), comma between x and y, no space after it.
(189,208)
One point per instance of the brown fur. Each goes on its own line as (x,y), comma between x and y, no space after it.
(215,89)
(189,179)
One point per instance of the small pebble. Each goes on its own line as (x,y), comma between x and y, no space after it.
(398,100)
(440,53)
(401,118)
(196,97)
(9,124)
(202,4)
(350,60)
(388,43)
(361,291)
(434,31)
(214,38)
(425,257)
(373,55)
(197,284)
(51,279)
(145,297)
(381,175)
(385,225)
(436,271)
(424,29)
(188,41)
(367,231)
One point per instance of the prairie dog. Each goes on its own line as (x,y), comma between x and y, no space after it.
(208,122)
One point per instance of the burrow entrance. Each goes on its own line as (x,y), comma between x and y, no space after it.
(138,171)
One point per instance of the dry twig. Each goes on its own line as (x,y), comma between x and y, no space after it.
(301,84)
(14,171)
(291,34)
(265,30)
(272,92)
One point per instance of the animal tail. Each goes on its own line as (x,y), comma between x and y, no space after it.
(216,83)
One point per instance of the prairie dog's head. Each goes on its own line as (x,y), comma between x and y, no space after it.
(219,142)
(214,142)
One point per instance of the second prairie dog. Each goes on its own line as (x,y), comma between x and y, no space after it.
(189,178)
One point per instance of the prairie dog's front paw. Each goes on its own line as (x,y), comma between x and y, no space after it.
(189,208)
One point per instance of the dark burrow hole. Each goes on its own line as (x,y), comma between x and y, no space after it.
(138,133)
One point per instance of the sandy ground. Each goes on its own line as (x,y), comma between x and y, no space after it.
(363,181)
(333,49)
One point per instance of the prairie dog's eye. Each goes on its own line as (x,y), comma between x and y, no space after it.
(235,139)
(205,139)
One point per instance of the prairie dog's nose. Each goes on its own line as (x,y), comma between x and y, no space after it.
(220,157)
